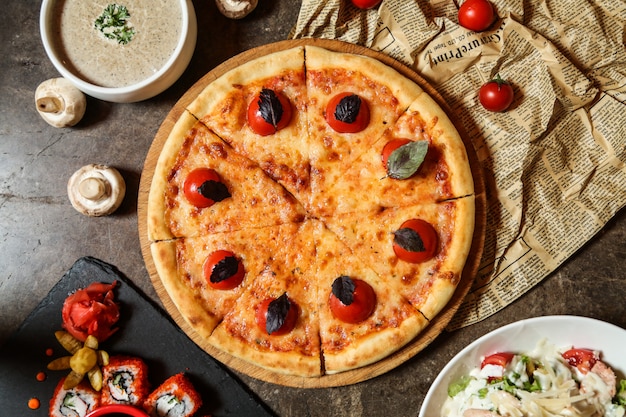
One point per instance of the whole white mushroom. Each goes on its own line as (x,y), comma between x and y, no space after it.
(96,190)
(236,9)
(60,103)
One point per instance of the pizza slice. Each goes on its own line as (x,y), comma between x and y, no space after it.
(362,320)
(204,276)
(275,324)
(201,186)
(419,251)
(259,108)
(352,100)
(420,159)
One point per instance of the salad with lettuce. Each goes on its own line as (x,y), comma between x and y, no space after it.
(545,382)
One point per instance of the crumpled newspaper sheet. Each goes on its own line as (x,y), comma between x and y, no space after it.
(555,163)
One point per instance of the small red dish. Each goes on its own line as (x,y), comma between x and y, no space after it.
(117,410)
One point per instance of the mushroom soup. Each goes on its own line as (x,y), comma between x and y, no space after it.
(116,43)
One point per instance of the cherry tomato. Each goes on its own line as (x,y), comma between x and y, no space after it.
(203,187)
(229,272)
(288,318)
(391,146)
(476,15)
(269,112)
(499,359)
(583,359)
(347,113)
(366,4)
(362,306)
(91,311)
(416,241)
(496,95)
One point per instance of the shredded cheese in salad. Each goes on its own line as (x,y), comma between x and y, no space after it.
(546,382)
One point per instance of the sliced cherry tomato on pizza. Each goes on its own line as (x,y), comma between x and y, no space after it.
(347,113)
(277,316)
(416,241)
(402,158)
(499,359)
(583,359)
(352,300)
(91,311)
(476,15)
(269,112)
(223,271)
(203,187)
(496,95)
(391,146)
(366,4)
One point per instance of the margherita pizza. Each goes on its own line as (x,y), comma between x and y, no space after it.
(311,212)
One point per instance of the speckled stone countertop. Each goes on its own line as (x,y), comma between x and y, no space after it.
(41,235)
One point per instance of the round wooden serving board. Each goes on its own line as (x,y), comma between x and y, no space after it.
(345,378)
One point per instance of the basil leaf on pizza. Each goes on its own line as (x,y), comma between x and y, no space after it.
(343,288)
(404,162)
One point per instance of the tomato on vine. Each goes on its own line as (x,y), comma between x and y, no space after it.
(496,95)
(476,15)
(366,4)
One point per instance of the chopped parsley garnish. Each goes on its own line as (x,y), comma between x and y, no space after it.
(114,25)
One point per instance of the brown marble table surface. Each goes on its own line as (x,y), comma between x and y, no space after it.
(41,235)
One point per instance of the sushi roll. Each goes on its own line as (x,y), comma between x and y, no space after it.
(176,397)
(125,381)
(73,402)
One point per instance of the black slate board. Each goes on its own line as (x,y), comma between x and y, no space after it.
(144,331)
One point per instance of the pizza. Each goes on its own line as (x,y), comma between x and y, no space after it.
(311,212)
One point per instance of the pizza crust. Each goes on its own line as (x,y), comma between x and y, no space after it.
(158,229)
(460,236)
(189,304)
(444,133)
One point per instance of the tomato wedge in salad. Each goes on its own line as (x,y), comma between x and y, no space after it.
(500,359)
(583,359)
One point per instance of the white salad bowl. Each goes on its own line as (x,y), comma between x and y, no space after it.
(159,80)
(523,336)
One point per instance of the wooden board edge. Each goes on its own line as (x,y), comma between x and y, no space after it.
(435,327)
